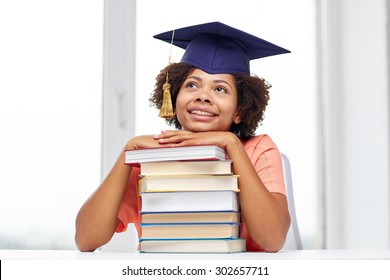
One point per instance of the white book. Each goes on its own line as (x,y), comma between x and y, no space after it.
(201,152)
(189,201)
(171,183)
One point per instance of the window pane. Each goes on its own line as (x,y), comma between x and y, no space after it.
(50,118)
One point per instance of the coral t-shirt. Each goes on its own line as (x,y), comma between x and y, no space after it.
(264,156)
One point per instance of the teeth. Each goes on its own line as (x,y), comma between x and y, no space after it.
(201,113)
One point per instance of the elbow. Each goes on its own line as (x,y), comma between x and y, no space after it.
(276,242)
(87,243)
(88,238)
(273,245)
(84,245)
(273,242)
(85,249)
(87,246)
(270,242)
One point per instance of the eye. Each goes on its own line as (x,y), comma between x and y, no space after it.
(191,85)
(220,89)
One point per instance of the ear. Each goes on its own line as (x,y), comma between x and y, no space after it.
(237,119)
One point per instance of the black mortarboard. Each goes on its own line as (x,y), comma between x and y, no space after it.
(218,48)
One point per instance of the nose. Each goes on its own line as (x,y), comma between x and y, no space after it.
(202,100)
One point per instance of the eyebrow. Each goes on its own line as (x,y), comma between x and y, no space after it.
(214,81)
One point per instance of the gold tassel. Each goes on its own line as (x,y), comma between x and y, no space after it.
(166,110)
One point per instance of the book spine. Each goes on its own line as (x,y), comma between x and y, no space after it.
(157,201)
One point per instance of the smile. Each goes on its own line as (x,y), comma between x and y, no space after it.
(202,113)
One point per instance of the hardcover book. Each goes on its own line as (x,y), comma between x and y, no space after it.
(200,152)
(215,167)
(191,217)
(193,246)
(190,231)
(189,201)
(170,183)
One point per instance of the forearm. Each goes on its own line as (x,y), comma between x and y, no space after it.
(265,214)
(266,219)
(97,219)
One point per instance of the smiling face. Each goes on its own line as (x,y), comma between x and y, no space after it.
(207,102)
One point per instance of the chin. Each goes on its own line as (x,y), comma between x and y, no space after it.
(198,128)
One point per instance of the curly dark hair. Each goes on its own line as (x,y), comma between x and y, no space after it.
(253,96)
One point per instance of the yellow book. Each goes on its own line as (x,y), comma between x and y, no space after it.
(193,246)
(190,231)
(215,167)
(191,217)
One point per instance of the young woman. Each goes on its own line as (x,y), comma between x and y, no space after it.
(215,100)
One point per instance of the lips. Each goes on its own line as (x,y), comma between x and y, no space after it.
(202,113)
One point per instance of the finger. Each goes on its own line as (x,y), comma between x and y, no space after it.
(176,137)
(165,133)
(174,133)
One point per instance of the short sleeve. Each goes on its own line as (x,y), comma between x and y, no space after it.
(267,161)
(129,210)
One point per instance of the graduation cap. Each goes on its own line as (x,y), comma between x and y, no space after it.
(216,48)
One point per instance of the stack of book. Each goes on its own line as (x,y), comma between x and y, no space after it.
(189,200)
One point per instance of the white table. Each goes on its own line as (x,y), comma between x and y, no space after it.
(72,264)
(282,255)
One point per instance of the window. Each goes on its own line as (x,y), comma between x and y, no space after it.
(50,118)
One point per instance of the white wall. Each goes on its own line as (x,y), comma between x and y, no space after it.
(356,123)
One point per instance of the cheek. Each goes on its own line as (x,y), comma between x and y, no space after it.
(234,115)
(180,107)
(178,104)
(229,108)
